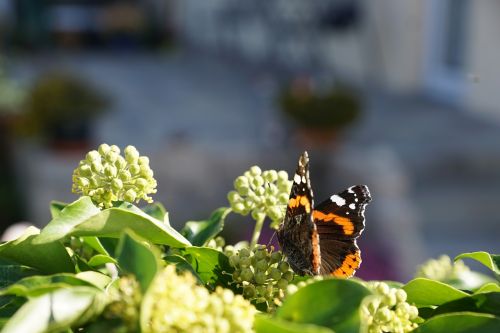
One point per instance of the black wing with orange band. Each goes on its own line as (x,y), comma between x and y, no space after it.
(339,221)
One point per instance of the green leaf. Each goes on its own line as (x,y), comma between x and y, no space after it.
(264,324)
(200,232)
(83,218)
(461,322)
(484,303)
(96,244)
(210,265)
(96,279)
(100,259)
(425,292)
(491,261)
(48,258)
(182,265)
(57,311)
(488,287)
(56,207)
(137,257)
(37,285)
(10,274)
(332,303)
(158,211)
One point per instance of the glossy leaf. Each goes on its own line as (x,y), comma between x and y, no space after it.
(96,279)
(37,285)
(461,322)
(491,261)
(264,324)
(332,303)
(57,311)
(182,265)
(209,264)
(200,232)
(101,259)
(83,218)
(10,274)
(484,303)
(137,257)
(158,211)
(56,207)
(48,258)
(426,292)
(488,287)
(95,243)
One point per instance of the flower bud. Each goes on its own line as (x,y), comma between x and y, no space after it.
(282,284)
(134,169)
(287,276)
(110,170)
(284,267)
(249,291)
(143,161)
(270,176)
(275,274)
(261,265)
(260,278)
(130,196)
(117,184)
(255,171)
(246,274)
(234,197)
(276,257)
(131,154)
(92,156)
(234,260)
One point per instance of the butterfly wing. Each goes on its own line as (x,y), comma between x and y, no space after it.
(339,222)
(297,234)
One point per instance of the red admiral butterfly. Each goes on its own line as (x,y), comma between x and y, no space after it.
(321,240)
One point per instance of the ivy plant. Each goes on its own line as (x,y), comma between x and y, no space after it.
(105,264)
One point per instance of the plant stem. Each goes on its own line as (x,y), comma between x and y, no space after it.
(256,231)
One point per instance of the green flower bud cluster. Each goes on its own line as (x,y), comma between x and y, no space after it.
(387,310)
(175,303)
(106,176)
(292,288)
(442,269)
(217,243)
(126,298)
(262,274)
(229,250)
(261,193)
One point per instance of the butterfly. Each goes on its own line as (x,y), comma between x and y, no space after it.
(321,240)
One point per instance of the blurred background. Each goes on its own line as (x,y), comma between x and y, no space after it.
(401,95)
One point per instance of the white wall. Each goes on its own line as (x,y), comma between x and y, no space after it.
(483,85)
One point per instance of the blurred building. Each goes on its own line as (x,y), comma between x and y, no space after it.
(440,48)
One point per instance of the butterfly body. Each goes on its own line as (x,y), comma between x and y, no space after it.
(321,240)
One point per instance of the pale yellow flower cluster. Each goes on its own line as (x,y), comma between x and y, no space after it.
(176,303)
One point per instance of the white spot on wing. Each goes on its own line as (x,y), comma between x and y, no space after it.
(352,206)
(338,200)
(296,178)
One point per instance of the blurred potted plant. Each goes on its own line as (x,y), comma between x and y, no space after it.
(59,109)
(319,114)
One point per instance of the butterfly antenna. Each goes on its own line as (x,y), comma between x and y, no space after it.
(272,237)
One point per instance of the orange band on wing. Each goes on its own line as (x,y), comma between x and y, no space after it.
(344,222)
(349,265)
(300,200)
